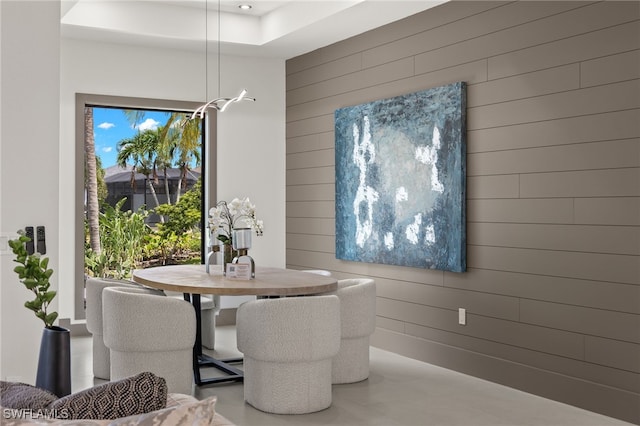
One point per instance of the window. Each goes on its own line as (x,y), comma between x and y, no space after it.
(145,190)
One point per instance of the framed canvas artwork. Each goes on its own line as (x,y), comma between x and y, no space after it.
(400,180)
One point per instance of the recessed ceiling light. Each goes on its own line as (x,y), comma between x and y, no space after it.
(245,6)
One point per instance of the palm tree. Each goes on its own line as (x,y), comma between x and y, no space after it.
(141,150)
(93,207)
(180,140)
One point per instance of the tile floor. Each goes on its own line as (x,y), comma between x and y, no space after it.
(400,391)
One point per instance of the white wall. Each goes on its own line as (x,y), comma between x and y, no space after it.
(29,131)
(30,67)
(254,130)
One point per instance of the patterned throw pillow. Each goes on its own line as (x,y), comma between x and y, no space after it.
(199,413)
(24,396)
(138,394)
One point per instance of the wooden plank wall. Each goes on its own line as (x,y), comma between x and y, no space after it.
(552,289)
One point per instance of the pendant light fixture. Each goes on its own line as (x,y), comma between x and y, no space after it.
(220,103)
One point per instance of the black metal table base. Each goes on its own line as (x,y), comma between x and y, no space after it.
(224,365)
(201,360)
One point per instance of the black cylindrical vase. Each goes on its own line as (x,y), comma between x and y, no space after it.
(54,362)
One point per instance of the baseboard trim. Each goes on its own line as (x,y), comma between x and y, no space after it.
(602,399)
(76,328)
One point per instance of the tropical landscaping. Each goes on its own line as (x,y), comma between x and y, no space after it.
(119,239)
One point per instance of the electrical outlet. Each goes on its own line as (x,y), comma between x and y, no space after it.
(462,316)
(4,242)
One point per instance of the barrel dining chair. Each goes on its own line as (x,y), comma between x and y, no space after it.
(288,345)
(147,332)
(209,308)
(94,288)
(358,321)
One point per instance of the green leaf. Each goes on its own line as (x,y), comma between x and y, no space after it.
(32,305)
(30,283)
(48,296)
(44,262)
(50,318)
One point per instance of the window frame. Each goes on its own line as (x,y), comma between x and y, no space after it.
(209,184)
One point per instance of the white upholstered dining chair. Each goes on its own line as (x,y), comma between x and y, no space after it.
(147,332)
(288,345)
(209,308)
(94,288)
(358,321)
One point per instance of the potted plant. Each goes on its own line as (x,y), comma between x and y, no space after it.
(54,362)
(225,217)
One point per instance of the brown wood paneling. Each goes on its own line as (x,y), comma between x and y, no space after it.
(588,321)
(323,72)
(589,128)
(394,31)
(580,238)
(466,39)
(592,100)
(523,86)
(608,41)
(303,160)
(324,243)
(312,260)
(390,324)
(470,73)
(552,288)
(381,74)
(502,186)
(613,353)
(491,305)
(320,192)
(591,183)
(585,156)
(610,69)
(533,32)
(608,211)
(324,209)
(600,267)
(317,124)
(538,210)
(570,291)
(315,226)
(542,339)
(311,176)
(313,142)
(583,370)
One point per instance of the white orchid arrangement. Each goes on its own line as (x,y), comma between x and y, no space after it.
(225,217)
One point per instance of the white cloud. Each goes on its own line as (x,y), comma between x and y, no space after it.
(107,149)
(106,126)
(148,124)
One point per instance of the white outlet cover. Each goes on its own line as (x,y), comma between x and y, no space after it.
(4,242)
(462,316)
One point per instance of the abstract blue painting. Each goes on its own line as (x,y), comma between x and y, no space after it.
(400,180)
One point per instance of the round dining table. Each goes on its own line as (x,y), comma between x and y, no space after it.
(195,280)
(268,281)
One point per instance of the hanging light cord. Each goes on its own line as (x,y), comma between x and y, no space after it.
(220,103)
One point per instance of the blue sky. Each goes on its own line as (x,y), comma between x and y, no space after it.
(110,126)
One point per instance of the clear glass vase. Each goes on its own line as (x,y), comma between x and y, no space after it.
(228,254)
